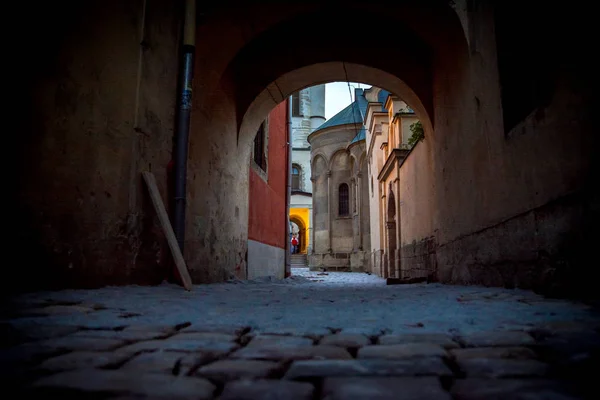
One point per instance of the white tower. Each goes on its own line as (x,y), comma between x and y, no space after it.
(317,106)
(308,113)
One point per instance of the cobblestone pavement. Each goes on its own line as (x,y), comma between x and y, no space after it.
(99,344)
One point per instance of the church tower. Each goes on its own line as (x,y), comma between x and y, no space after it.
(308,113)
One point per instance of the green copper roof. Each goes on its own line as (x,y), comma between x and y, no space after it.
(353,114)
(362,135)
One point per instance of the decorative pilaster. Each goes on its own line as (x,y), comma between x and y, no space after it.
(330,209)
(359,206)
(352,205)
(311,223)
(398,229)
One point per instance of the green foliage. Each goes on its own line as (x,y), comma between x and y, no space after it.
(417,133)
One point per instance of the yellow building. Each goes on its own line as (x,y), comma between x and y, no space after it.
(300,217)
(388,121)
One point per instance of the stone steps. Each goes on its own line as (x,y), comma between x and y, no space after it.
(298,260)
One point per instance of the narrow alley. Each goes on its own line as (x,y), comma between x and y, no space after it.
(303,200)
(314,335)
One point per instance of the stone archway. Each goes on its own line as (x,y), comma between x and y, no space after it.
(114,77)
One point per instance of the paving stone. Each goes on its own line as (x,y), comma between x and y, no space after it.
(55,310)
(228,370)
(396,351)
(362,330)
(561,327)
(276,353)
(561,347)
(502,389)
(33,352)
(432,338)
(95,306)
(13,335)
(314,333)
(236,330)
(82,359)
(125,335)
(215,348)
(275,340)
(69,343)
(129,382)
(204,336)
(309,369)
(169,362)
(502,368)
(493,339)
(346,340)
(267,390)
(517,353)
(98,322)
(384,388)
(167,329)
(26,354)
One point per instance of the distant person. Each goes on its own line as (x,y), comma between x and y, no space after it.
(294,244)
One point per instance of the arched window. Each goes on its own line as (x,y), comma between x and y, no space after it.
(295,177)
(344,200)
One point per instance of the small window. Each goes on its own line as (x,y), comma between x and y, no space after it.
(295,177)
(344,200)
(296,111)
(259,148)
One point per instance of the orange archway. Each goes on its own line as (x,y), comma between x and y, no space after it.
(302,232)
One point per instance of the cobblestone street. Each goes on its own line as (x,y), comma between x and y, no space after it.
(312,336)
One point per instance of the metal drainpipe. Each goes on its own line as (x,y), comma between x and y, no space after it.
(288,265)
(184,110)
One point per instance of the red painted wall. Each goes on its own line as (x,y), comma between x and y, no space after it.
(267,219)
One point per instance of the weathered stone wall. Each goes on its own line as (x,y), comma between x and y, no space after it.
(512,205)
(217,216)
(418,259)
(100,103)
(417,211)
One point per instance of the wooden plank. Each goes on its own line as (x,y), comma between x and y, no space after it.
(168,229)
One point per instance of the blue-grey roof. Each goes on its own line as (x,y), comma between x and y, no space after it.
(382,97)
(362,135)
(354,113)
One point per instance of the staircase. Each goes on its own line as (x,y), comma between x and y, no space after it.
(298,261)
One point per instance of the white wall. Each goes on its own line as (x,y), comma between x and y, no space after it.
(265,260)
(302,158)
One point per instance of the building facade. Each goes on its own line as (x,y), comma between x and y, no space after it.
(267,199)
(388,122)
(308,112)
(341,233)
